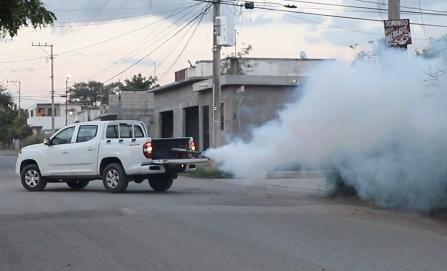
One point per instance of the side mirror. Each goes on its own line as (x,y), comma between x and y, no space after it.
(46,141)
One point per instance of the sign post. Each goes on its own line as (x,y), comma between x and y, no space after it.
(397,33)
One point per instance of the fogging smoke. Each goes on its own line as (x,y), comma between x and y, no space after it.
(384,128)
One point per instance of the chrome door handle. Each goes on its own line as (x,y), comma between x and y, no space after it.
(91,148)
(64,151)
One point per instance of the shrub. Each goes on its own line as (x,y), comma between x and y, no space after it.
(32,139)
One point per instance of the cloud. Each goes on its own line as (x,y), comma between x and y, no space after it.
(102,10)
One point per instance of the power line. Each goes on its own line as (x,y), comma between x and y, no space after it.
(179,10)
(363,7)
(146,55)
(144,42)
(403,6)
(185,46)
(124,34)
(114,20)
(96,9)
(357,8)
(23,60)
(320,14)
(422,20)
(334,26)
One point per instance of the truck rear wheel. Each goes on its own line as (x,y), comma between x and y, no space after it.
(114,178)
(78,184)
(31,178)
(161,183)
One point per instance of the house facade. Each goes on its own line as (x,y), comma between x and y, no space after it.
(253,91)
(39,116)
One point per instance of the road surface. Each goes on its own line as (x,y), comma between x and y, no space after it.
(209,225)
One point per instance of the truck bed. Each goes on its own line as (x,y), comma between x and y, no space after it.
(167,148)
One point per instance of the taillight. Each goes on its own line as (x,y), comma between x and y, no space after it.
(147,149)
(192,145)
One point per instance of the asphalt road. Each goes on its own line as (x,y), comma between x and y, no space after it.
(208,225)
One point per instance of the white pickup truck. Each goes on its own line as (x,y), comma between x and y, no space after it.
(116,151)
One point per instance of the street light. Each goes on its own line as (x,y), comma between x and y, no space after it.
(66,97)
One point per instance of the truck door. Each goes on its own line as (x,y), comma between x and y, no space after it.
(85,150)
(132,142)
(57,154)
(126,142)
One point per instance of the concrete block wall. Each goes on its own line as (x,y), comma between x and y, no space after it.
(134,105)
(175,100)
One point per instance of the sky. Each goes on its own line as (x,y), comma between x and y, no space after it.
(111,40)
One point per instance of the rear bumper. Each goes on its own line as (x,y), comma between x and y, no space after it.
(160,166)
(179,161)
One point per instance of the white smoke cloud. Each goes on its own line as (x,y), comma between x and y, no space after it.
(382,126)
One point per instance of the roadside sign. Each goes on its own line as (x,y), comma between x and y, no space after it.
(397,32)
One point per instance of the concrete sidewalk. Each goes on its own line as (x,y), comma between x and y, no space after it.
(8,153)
(306,182)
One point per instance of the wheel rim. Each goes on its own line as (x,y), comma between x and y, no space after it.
(32,178)
(112,178)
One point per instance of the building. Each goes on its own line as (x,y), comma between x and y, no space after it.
(39,116)
(131,105)
(253,91)
(86,114)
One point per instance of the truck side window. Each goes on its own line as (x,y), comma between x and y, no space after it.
(86,133)
(137,131)
(125,130)
(112,131)
(63,137)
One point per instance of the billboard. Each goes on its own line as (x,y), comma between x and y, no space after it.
(397,32)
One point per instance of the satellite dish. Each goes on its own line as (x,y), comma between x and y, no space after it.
(303,55)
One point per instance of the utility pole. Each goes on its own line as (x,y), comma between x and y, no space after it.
(20,87)
(52,80)
(216,114)
(393,9)
(155,70)
(66,100)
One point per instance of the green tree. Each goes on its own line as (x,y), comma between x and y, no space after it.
(19,128)
(140,83)
(6,114)
(17,13)
(6,102)
(87,94)
(11,124)
(112,88)
(235,63)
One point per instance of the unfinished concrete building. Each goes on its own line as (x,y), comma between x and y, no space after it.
(253,91)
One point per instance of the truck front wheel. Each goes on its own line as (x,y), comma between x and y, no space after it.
(114,178)
(161,183)
(31,178)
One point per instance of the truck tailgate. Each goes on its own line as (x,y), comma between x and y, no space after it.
(168,148)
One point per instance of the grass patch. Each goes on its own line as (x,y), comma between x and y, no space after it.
(338,186)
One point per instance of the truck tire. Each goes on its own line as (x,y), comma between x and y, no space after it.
(78,184)
(161,183)
(31,178)
(114,178)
